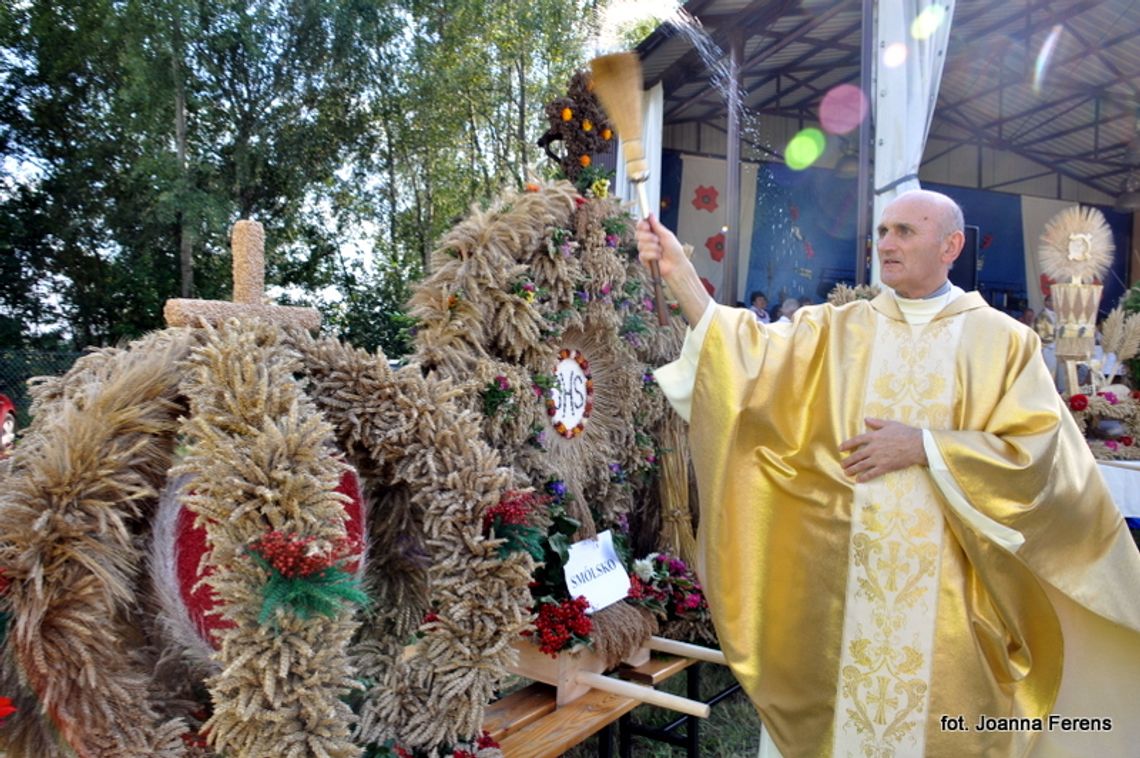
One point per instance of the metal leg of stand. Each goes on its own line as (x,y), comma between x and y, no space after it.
(625,736)
(692,727)
(605,742)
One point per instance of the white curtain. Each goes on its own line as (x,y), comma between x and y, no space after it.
(652,115)
(904,95)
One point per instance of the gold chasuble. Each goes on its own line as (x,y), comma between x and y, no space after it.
(890,618)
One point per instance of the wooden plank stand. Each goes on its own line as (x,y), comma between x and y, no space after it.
(575,672)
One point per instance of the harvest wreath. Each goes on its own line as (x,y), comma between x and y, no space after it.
(94,656)
(539,313)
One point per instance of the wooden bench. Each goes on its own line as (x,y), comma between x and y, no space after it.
(528,723)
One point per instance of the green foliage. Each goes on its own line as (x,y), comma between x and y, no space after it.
(323,592)
(549,581)
(355,131)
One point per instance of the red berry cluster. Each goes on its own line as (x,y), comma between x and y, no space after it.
(294,555)
(515,508)
(557,624)
(641,590)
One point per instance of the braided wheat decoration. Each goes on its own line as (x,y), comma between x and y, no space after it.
(429,478)
(256,461)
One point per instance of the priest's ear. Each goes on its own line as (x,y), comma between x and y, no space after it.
(952,245)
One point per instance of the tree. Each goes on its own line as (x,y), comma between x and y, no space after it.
(135,132)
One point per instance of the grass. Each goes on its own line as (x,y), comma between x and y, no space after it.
(731,731)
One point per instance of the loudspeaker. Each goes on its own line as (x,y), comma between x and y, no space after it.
(964,272)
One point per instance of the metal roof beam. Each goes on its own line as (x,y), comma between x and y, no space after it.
(963,57)
(793,36)
(798,61)
(756,13)
(989,141)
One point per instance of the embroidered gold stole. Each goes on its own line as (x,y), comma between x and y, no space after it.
(856,616)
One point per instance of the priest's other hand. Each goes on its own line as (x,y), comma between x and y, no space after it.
(656,243)
(887,446)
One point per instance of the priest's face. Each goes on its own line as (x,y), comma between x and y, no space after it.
(917,244)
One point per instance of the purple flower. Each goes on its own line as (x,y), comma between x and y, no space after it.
(566,248)
(612,240)
(1110,397)
(1112,444)
(502,382)
(556,487)
(606,288)
(623,522)
(583,296)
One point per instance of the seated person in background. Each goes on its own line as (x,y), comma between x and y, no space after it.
(790,306)
(1027,317)
(759,306)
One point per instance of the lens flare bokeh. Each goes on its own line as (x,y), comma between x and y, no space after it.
(894,55)
(928,22)
(1044,56)
(805,148)
(842,109)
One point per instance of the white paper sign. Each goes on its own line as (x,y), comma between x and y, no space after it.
(595,571)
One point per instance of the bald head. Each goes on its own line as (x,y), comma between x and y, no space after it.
(946,213)
(920,235)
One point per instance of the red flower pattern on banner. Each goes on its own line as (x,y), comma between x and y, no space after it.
(709,286)
(715,244)
(704,198)
(809,251)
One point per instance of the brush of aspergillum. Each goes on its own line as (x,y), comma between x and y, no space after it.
(617,83)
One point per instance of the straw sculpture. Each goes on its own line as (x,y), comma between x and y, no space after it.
(258,414)
(537,275)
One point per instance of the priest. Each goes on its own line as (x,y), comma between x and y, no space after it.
(906,545)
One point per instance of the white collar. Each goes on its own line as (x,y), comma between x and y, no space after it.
(923,310)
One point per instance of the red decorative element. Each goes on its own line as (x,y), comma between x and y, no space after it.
(715,244)
(514,508)
(6,708)
(704,198)
(794,212)
(1126,441)
(1046,286)
(201,603)
(1078,402)
(557,624)
(485,741)
(580,201)
(709,286)
(293,554)
(809,251)
(987,240)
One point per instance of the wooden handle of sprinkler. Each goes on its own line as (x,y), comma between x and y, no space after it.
(654,269)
